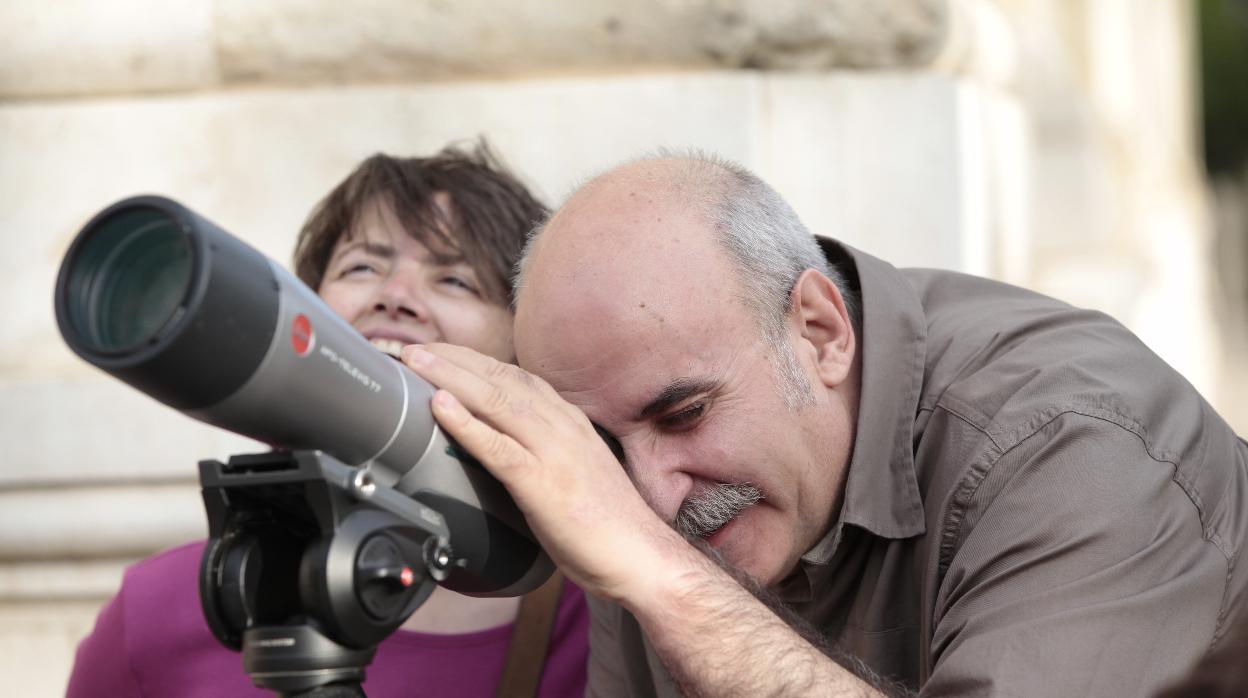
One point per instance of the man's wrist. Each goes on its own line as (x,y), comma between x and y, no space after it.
(671,569)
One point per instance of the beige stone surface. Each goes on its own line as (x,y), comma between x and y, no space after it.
(254,161)
(980,41)
(92,429)
(98,520)
(84,47)
(1119,209)
(919,169)
(37,644)
(431,39)
(78,47)
(845,148)
(68,581)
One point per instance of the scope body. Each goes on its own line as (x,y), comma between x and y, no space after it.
(169,302)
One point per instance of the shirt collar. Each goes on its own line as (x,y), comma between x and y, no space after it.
(881,489)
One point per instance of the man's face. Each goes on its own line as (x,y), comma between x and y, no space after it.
(396,292)
(645,333)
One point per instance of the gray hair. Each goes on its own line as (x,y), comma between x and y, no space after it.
(770,247)
(707,511)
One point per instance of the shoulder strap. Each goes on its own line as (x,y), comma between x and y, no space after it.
(530,639)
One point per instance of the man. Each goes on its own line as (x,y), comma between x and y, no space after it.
(969,487)
(407,250)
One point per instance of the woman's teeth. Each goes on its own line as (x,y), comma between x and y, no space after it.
(388,346)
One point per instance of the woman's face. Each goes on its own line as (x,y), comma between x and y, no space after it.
(394,291)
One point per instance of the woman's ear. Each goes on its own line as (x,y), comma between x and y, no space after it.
(817,311)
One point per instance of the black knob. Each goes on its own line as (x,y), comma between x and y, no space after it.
(384,580)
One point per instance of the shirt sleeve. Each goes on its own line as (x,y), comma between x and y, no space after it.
(1078,567)
(621,662)
(102,664)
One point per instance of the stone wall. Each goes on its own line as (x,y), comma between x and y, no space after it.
(1017,139)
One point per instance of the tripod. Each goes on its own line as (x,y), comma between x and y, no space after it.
(309,565)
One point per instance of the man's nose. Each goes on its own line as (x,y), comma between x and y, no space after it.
(401,295)
(658,479)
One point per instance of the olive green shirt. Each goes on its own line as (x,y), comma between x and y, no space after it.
(1036,505)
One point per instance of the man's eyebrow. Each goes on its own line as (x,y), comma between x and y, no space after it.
(674,393)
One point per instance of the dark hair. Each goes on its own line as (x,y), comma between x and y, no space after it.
(491,212)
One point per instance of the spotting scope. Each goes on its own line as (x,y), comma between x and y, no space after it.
(163,299)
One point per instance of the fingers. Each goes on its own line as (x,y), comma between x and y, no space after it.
(499,453)
(502,395)
(434,361)
(479,364)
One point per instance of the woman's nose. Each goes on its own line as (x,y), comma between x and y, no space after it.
(401,295)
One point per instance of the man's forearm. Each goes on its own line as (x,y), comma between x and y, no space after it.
(717,639)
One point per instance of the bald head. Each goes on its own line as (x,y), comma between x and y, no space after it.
(633,245)
(765,241)
(685,229)
(637,192)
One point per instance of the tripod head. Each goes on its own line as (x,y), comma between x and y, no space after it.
(310,564)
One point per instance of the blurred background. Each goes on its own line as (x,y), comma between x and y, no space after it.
(1094,150)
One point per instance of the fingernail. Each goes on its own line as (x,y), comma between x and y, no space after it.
(413,354)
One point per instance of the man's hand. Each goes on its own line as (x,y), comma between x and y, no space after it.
(574,493)
(714,637)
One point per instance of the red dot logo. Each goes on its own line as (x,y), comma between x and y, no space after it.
(301,336)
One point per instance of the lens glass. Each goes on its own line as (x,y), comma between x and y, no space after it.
(129,280)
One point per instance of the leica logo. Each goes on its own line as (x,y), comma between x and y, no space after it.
(302,337)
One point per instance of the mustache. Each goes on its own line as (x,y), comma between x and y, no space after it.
(707,511)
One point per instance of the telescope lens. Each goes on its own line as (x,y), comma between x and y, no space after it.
(129,280)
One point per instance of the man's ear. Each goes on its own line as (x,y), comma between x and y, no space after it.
(817,312)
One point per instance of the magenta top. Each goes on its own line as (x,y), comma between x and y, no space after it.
(151,640)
